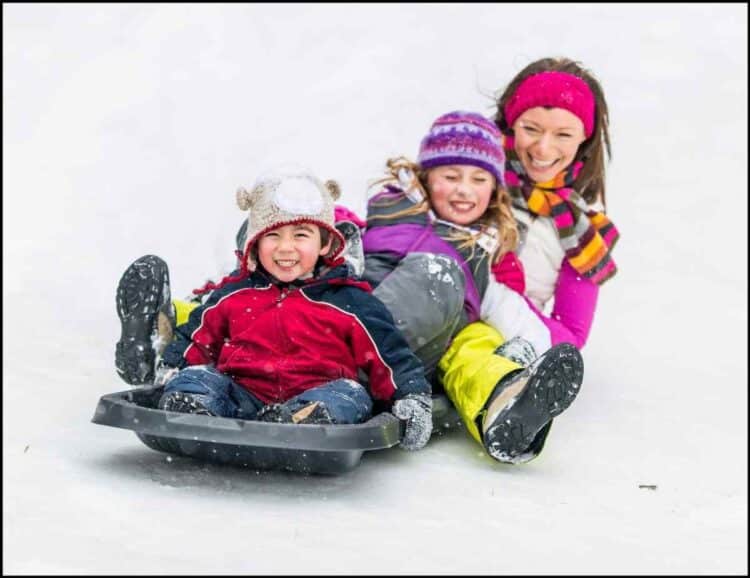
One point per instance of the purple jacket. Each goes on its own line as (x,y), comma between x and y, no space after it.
(400,238)
(575,298)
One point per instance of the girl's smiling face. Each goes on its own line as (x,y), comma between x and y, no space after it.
(546,141)
(460,193)
(290,252)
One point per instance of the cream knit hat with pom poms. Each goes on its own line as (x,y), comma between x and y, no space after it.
(287,196)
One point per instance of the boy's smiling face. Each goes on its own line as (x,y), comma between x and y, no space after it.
(291,251)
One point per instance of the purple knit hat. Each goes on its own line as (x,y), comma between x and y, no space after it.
(464,138)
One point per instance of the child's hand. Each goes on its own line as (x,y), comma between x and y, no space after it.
(416,410)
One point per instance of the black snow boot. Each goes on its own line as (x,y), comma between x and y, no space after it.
(184,403)
(526,401)
(315,412)
(147,319)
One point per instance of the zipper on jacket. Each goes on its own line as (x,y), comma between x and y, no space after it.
(283,294)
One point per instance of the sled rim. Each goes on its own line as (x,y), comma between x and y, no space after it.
(120,410)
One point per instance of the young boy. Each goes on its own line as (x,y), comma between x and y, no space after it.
(286,337)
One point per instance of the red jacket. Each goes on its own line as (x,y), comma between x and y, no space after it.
(280,340)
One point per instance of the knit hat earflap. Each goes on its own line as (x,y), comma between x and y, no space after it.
(285,197)
(464,138)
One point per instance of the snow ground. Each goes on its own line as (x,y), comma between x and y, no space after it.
(127,129)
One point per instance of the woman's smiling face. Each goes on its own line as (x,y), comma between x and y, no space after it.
(546,141)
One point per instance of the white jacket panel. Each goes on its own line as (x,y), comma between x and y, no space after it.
(541,255)
(509,313)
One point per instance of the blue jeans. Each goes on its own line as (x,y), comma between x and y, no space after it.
(347,401)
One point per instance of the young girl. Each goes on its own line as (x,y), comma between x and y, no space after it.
(554,120)
(453,202)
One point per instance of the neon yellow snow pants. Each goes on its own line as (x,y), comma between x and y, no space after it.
(470,370)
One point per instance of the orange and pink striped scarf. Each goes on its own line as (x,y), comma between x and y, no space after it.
(587,236)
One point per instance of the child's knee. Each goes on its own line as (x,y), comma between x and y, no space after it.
(354,391)
(201,379)
(212,387)
(346,400)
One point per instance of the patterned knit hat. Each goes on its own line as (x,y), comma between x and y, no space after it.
(463,138)
(285,197)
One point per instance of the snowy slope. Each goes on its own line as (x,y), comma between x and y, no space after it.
(127,129)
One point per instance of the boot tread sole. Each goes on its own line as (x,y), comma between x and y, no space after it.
(544,398)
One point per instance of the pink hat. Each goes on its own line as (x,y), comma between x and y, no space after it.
(555,89)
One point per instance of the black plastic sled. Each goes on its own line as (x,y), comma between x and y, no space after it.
(304,448)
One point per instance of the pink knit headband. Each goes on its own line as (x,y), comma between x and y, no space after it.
(555,89)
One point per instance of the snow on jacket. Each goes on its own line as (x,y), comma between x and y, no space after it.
(485,298)
(278,340)
(550,276)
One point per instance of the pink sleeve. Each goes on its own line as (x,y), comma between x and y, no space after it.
(573,311)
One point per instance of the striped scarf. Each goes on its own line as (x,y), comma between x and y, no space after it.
(587,236)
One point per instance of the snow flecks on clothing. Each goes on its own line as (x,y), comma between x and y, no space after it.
(507,458)
(415,410)
(436,268)
(433,267)
(158,343)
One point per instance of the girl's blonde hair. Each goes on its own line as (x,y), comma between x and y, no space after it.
(497,215)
